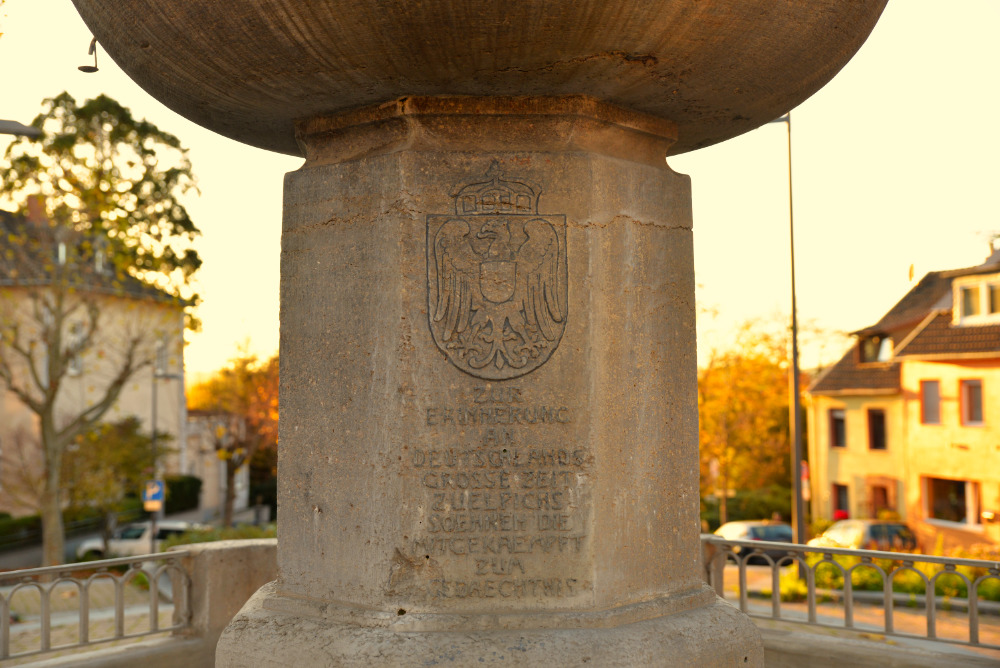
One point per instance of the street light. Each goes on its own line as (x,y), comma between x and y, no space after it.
(798,511)
(159,373)
(19,129)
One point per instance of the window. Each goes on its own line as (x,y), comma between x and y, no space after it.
(952,500)
(74,341)
(838,430)
(970,301)
(977,300)
(840,498)
(876,429)
(875,349)
(930,402)
(971,396)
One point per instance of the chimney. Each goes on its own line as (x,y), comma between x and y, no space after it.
(36,211)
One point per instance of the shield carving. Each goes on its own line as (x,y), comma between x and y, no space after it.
(496,279)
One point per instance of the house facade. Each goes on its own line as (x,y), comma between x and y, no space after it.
(58,292)
(908,421)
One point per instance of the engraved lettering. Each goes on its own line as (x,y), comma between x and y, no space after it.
(506,588)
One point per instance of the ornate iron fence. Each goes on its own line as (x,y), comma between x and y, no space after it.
(75,605)
(800,567)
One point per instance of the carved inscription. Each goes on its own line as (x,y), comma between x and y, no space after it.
(504,499)
(496,278)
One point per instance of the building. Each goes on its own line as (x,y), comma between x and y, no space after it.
(205,463)
(69,325)
(908,421)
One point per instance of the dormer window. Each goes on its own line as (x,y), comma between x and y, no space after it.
(875,348)
(977,300)
(101,255)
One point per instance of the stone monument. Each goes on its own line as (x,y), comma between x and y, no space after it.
(488,379)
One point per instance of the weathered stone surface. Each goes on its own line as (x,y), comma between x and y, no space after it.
(248,69)
(712,635)
(488,395)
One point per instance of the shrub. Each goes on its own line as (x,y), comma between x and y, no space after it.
(183,492)
(867,578)
(266,492)
(752,504)
(241,532)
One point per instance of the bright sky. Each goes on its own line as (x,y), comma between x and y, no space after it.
(896,162)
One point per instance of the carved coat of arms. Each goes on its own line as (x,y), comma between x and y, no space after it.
(496,279)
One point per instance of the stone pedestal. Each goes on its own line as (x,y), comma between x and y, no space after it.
(489,447)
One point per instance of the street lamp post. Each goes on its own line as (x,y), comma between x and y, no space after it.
(159,373)
(798,510)
(18,129)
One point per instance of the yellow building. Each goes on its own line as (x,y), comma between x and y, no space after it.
(908,421)
(59,293)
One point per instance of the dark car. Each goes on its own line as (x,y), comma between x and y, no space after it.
(765,530)
(887,535)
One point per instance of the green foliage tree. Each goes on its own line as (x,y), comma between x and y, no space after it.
(113,178)
(106,464)
(103,192)
(743,415)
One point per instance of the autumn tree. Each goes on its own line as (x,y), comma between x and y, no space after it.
(743,402)
(242,402)
(99,222)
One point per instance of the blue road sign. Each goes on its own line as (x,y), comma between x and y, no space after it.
(153,493)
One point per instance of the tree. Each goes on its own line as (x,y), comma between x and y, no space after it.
(743,415)
(106,464)
(242,400)
(105,223)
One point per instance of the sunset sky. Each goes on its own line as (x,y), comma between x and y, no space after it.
(895,163)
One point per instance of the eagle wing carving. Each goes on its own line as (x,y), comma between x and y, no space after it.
(458,289)
(538,293)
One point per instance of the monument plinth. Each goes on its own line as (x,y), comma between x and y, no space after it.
(487,380)
(488,435)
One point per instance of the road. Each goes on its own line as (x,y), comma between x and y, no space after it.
(31,557)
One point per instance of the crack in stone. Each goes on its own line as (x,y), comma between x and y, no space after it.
(622,220)
(645,59)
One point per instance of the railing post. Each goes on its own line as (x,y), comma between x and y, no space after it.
(714,563)
(887,601)
(45,619)
(4,626)
(931,606)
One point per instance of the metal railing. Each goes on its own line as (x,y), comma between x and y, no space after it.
(802,565)
(76,605)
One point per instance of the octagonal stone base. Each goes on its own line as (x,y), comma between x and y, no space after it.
(307,633)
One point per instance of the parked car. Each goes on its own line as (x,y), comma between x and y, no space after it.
(769,530)
(133,539)
(867,534)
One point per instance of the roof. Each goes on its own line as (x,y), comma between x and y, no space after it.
(921,326)
(940,338)
(850,375)
(30,257)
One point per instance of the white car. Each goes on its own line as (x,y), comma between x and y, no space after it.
(133,539)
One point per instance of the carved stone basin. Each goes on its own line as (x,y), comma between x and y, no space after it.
(249,68)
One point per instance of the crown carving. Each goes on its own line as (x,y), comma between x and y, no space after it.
(496,195)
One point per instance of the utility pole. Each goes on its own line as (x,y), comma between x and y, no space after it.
(794,408)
